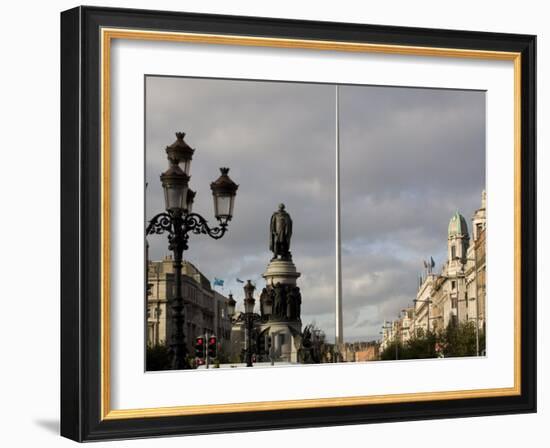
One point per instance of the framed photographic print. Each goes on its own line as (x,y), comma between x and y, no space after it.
(272,223)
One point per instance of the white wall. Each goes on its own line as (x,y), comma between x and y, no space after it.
(29,104)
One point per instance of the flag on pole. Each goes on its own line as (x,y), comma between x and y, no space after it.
(218,281)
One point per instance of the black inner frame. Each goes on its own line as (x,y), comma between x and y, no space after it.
(81,224)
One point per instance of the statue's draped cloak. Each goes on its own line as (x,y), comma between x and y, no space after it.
(280,234)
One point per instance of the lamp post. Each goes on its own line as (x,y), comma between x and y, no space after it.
(248,319)
(158,312)
(387,327)
(266,310)
(178,221)
(476,299)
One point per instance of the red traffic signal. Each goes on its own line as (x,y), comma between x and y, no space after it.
(212,347)
(199,347)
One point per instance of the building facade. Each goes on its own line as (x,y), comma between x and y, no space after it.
(457,293)
(360,351)
(205,308)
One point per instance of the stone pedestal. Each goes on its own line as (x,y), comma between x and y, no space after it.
(281,271)
(285,340)
(283,326)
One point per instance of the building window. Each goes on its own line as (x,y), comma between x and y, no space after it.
(453,252)
(453,284)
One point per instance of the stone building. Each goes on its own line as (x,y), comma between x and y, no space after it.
(222,327)
(475,269)
(457,293)
(205,309)
(406,326)
(360,351)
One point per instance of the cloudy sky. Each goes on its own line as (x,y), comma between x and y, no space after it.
(409,159)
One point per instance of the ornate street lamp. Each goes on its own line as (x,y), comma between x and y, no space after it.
(178,221)
(249,319)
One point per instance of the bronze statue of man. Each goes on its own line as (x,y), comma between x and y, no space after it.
(280,231)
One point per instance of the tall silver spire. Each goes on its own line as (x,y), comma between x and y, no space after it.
(339,336)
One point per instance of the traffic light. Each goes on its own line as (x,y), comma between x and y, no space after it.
(199,347)
(212,347)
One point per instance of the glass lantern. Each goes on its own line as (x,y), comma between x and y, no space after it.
(224,191)
(249,305)
(249,297)
(175,184)
(231,305)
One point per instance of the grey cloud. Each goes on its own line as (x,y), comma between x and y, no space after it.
(409,158)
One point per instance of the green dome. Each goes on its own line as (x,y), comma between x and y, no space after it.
(458,225)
